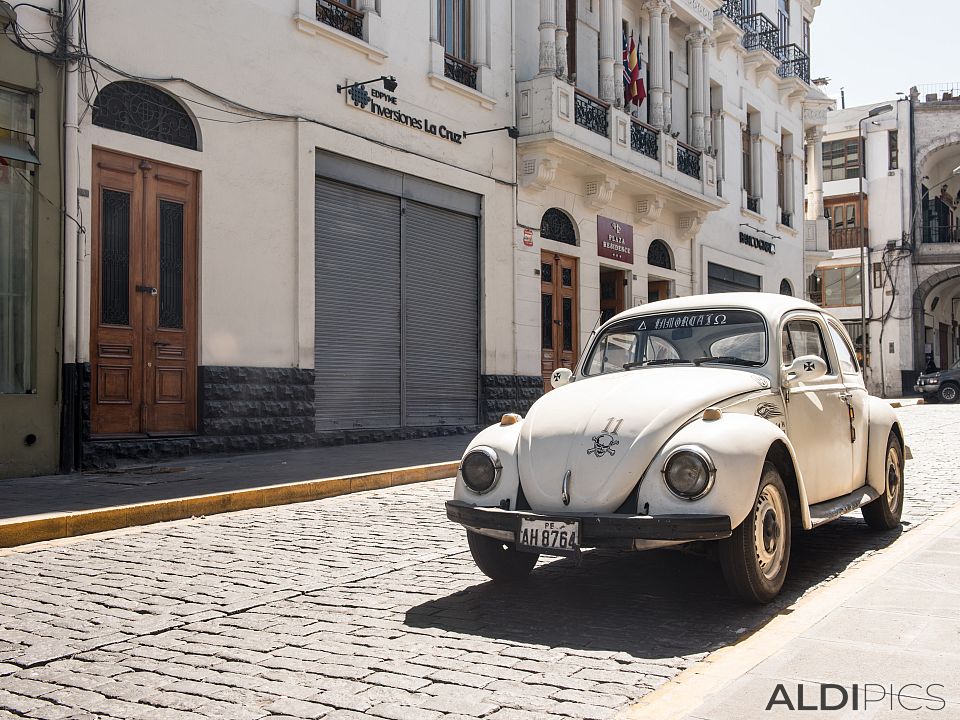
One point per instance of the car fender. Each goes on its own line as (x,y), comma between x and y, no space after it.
(504,440)
(882,420)
(738,445)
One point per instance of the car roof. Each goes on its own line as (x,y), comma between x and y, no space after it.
(770,305)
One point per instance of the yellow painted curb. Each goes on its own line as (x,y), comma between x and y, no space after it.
(38,528)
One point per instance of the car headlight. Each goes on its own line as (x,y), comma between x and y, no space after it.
(480,469)
(689,472)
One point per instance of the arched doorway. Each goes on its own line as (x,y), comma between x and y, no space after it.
(936,304)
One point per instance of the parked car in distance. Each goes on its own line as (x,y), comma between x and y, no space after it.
(942,385)
(735,419)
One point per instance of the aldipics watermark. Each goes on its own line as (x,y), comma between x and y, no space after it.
(911,697)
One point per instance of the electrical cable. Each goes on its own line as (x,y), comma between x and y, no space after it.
(62,210)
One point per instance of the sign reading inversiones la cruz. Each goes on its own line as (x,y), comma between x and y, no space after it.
(385,105)
(614,240)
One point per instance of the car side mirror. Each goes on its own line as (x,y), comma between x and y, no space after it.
(560,377)
(805,368)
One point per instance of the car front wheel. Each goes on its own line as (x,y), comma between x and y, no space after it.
(884,512)
(498,560)
(949,393)
(755,557)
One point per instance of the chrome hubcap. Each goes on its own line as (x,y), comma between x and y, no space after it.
(949,393)
(894,479)
(768,531)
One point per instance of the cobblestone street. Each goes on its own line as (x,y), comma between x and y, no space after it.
(370,606)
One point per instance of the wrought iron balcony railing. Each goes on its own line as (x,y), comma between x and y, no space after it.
(753,204)
(848,238)
(732,9)
(941,234)
(794,62)
(688,160)
(645,139)
(591,113)
(760,33)
(460,71)
(786,218)
(342,17)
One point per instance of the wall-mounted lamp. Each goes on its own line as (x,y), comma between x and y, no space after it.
(389,83)
(511,131)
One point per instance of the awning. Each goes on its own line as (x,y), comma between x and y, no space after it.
(17,150)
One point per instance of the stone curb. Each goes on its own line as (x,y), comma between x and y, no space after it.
(39,528)
(684,694)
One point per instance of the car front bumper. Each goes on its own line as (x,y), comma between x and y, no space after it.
(927,389)
(596,530)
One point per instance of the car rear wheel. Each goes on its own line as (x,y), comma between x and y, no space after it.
(949,393)
(884,512)
(755,557)
(498,560)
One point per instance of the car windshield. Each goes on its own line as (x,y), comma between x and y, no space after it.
(690,337)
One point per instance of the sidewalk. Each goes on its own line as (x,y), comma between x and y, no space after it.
(226,482)
(889,627)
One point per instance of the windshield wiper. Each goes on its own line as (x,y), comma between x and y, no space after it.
(728,360)
(661,361)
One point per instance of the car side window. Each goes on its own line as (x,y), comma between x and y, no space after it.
(803,337)
(848,362)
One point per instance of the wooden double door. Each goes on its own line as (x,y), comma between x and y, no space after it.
(143,310)
(559,342)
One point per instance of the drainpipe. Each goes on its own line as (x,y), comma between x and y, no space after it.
(72,239)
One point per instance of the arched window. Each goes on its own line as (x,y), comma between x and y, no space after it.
(143,110)
(786,288)
(556,225)
(659,255)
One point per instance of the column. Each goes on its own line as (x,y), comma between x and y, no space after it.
(369,6)
(756,165)
(561,16)
(667,82)
(655,63)
(435,33)
(618,51)
(696,39)
(814,138)
(707,109)
(607,93)
(478,31)
(788,187)
(548,37)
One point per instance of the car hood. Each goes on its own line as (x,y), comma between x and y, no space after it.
(605,430)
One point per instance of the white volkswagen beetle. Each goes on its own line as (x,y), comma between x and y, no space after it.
(735,418)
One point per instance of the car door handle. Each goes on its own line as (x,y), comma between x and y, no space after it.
(845,396)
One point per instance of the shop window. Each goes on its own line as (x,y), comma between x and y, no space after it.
(839,286)
(145,111)
(556,225)
(17,164)
(659,255)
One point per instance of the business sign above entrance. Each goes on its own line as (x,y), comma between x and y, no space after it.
(614,240)
(382,103)
(765,245)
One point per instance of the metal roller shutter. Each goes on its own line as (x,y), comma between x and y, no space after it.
(442,324)
(357,294)
(721,278)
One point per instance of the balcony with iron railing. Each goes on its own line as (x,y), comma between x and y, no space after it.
(848,238)
(688,160)
(563,126)
(760,33)
(591,113)
(340,17)
(460,70)
(934,233)
(644,139)
(794,63)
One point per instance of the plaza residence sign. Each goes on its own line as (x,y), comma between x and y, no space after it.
(614,240)
(382,103)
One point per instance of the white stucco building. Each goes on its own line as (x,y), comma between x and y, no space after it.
(889,183)
(313,222)
(699,189)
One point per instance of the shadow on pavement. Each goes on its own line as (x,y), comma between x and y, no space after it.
(654,604)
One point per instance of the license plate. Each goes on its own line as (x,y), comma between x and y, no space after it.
(558,537)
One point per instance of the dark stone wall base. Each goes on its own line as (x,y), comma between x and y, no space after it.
(501,394)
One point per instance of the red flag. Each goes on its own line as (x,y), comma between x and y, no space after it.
(637,91)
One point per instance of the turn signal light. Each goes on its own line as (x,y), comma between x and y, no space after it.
(510,419)
(712,413)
